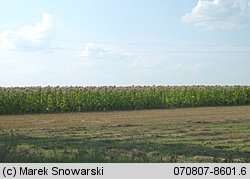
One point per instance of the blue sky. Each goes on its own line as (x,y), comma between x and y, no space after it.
(139,42)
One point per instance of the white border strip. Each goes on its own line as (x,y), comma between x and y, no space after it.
(124,171)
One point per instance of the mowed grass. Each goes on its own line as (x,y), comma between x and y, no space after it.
(211,134)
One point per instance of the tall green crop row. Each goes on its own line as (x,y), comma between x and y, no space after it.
(79,99)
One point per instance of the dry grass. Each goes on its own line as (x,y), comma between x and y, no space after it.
(209,114)
(193,134)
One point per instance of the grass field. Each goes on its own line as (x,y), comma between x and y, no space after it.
(211,134)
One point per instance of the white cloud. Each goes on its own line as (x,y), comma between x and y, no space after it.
(219,14)
(28,35)
(95,54)
(94,50)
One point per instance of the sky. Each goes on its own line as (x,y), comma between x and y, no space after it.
(123,43)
